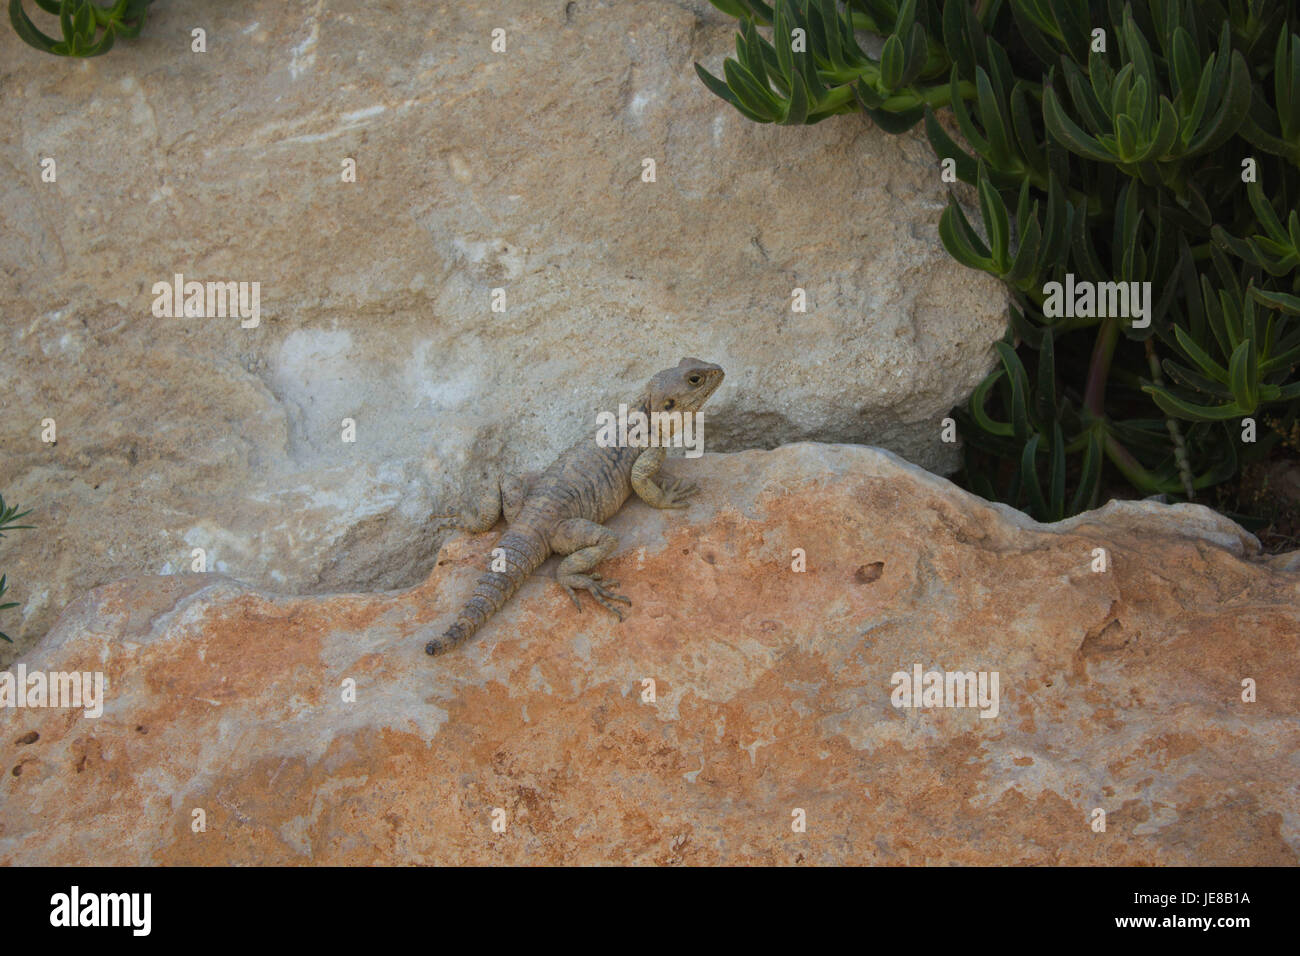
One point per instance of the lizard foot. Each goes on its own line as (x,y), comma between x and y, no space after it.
(676,492)
(598,588)
(450,521)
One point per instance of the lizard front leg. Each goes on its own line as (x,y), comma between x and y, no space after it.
(671,493)
(586,544)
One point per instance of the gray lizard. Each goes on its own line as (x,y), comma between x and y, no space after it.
(563,512)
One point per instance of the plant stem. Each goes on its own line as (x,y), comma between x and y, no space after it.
(1175,433)
(936,97)
(1132,469)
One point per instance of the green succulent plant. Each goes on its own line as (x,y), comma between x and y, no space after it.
(1108,142)
(81,22)
(8,515)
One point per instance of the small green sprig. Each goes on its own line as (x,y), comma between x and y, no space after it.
(81,22)
(772,83)
(8,515)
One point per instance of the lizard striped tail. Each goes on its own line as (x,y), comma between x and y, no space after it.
(524,554)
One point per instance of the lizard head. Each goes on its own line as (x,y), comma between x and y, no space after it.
(684,388)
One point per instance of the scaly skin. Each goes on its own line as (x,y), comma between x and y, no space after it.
(564,510)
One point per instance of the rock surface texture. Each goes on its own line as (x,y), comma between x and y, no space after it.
(1120,690)
(475,171)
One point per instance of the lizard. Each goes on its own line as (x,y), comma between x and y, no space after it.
(563,512)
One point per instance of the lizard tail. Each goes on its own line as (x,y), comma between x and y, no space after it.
(524,554)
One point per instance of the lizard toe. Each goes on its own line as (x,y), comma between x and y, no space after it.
(598,588)
(610,606)
(605,596)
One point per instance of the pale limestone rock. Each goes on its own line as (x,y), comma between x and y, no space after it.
(475,171)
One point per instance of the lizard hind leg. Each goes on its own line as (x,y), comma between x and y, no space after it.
(514,492)
(587,544)
(504,496)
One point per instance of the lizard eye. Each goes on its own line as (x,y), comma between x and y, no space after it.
(694,380)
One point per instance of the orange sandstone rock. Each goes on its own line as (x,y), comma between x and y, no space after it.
(1120,690)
